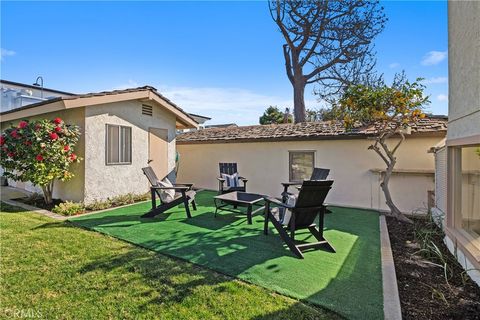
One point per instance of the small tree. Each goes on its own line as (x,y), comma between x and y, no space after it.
(390,109)
(273,115)
(39,151)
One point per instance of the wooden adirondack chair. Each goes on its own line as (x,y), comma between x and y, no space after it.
(229,168)
(309,205)
(184,193)
(317,174)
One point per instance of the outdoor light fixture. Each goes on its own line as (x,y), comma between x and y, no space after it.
(39,83)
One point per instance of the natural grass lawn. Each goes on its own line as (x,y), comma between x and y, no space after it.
(59,271)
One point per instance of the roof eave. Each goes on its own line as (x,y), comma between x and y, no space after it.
(438,133)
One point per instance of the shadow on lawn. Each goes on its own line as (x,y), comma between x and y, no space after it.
(230,246)
(172,282)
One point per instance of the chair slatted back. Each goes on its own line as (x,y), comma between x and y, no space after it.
(228,168)
(151,176)
(319,174)
(310,200)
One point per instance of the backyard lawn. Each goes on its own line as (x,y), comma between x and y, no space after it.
(348,282)
(52,270)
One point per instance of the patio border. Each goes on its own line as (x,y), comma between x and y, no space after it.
(59,216)
(391,299)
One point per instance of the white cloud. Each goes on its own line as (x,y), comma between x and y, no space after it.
(394,65)
(129,84)
(226,105)
(6,53)
(436,80)
(433,58)
(442,97)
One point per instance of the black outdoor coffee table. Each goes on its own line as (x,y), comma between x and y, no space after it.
(241,199)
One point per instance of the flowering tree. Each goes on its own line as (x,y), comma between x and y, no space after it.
(39,151)
(391,109)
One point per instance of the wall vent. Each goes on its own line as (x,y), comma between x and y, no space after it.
(147,110)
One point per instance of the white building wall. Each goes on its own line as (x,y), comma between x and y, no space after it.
(265,164)
(103,181)
(464,69)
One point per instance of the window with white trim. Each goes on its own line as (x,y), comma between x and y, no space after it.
(118,145)
(301,165)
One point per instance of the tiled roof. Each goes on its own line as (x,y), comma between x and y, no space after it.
(301,131)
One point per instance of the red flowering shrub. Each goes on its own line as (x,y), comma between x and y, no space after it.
(38,152)
(53,135)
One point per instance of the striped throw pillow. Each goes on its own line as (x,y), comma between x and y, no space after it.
(231,179)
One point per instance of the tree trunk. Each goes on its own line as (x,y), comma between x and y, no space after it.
(48,193)
(299,100)
(394,211)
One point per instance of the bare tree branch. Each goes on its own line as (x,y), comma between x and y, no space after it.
(329,43)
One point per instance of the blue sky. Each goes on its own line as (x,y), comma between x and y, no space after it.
(219,59)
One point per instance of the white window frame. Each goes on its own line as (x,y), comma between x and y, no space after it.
(119,127)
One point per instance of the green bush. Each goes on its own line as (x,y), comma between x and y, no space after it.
(142,196)
(69,208)
(123,199)
(99,205)
(117,201)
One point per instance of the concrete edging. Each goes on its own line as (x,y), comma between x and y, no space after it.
(391,299)
(59,216)
(35,209)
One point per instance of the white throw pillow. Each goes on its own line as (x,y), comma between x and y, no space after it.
(231,179)
(166,195)
(291,200)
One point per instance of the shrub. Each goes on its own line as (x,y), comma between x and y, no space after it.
(123,199)
(117,201)
(99,205)
(39,151)
(142,196)
(69,208)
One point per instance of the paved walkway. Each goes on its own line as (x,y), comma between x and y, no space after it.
(7,193)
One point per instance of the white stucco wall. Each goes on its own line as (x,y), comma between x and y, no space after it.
(265,164)
(464,69)
(103,181)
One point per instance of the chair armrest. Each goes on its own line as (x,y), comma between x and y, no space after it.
(278,202)
(220,179)
(170,188)
(188,185)
(288,184)
(243,179)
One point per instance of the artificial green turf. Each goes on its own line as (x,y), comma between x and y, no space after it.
(52,270)
(348,282)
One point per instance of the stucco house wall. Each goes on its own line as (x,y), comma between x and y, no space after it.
(102,180)
(266,164)
(464,69)
(463,127)
(73,189)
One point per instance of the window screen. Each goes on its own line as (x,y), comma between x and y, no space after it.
(119,145)
(301,165)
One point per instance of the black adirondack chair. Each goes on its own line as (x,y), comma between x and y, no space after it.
(317,174)
(309,205)
(230,168)
(184,193)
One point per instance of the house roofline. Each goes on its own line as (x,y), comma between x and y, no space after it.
(91,99)
(35,87)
